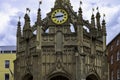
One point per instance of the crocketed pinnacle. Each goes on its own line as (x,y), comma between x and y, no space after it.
(58,2)
(98,19)
(80,13)
(39,17)
(104,27)
(27,22)
(19,28)
(93,21)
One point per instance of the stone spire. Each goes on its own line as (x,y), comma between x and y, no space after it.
(80,29)
(58,2)
(92,20)
(39,27)
(67,1)
(104,26)
(27,22)
(39,16)
(18,34)
(80,18)
(19,28)
(27,29)
(62,2)
(98,19)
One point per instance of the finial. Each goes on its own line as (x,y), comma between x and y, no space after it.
(97,9)
(80,9)
(26,17)
(92,10)
(27,10)
(98,14)
(39,14)
(19,28)
(40,2)
(92,17)
(103,16)
(19,18)
(19,24)
(80,3)
(104,25)
(103,22)
(80,18)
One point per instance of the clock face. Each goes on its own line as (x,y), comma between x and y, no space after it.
(59,16)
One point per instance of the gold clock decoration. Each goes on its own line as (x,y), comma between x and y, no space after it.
(59,16)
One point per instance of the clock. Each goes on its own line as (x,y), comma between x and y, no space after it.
(59,16)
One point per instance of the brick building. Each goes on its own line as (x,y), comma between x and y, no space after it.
(113,49)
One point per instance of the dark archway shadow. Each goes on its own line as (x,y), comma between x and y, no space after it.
(28,77)
(59,77)
(92,77)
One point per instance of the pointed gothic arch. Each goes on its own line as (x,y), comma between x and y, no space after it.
(59,76)
(27,77)
(92,77)
(72,28)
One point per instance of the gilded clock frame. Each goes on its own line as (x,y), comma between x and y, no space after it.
(55,20)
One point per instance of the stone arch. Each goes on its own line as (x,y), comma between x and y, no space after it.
(92,77)
(59,76)
(28,77)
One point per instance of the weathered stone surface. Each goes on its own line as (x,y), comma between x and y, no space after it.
(60,53)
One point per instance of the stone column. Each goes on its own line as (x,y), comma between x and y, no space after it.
(83,74)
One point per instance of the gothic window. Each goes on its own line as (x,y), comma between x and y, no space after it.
(72,28)
(118,56)
(118,74)
(47,31)
(112,59)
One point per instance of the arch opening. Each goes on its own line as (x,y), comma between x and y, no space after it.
(92,77)
(59,77)
(86,29)
(72,28)
(28,77)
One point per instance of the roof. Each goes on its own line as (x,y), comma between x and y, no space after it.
(113,39)
(4,48)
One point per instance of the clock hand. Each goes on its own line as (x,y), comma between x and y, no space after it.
(58,16)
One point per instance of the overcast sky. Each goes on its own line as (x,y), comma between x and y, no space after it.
(10,10)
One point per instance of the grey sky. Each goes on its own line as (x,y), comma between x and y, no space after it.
(10,10)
